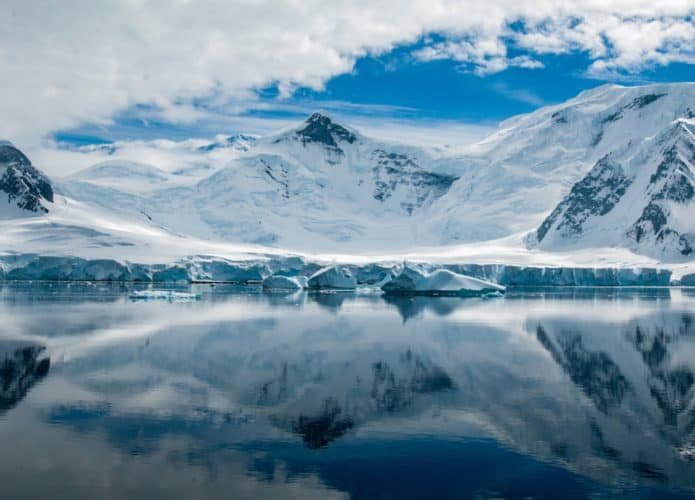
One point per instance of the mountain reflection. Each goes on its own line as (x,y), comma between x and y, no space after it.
(670,384)
(598,384)
(655,401)
(595,372)
(20,369)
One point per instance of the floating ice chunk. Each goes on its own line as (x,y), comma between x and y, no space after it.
(440,282)
(285,283)
(332,278)
(168,295)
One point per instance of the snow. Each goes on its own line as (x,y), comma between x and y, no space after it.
(332,278)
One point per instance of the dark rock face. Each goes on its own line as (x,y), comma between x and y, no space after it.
(395,169)
(278,174)
(25,185)
(560,116)
(595,195)
(320,129)
(19,371)
(645,100)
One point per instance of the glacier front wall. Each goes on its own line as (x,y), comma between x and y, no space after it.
(29,267)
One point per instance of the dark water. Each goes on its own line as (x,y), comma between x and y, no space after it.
(543,394)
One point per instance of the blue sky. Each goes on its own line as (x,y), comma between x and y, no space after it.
(444,90)
(392,87)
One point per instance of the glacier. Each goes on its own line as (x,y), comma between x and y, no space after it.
(203,269)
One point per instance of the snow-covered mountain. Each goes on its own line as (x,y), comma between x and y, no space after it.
(609,169)
(561,171)
(321,184)
(639,196)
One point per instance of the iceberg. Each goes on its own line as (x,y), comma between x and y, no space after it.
(285,283)
(168,295)
(412,281)
(405,280)
(332,278)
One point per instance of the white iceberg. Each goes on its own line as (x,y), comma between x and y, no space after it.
(333,278)
(168,295)
(412,281)
(285,283)
(405,280)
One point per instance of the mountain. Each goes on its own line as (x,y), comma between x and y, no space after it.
(642,198)
(579,175)
(320,182)
(611,169)
(26,187)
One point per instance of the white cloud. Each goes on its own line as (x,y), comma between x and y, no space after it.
(64,63)
(518,94)
(617,43)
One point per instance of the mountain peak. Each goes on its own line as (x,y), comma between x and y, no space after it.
(317,116)
(10,155)
(322,129)
(24,185)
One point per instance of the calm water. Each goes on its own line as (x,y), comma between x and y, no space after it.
(543,394)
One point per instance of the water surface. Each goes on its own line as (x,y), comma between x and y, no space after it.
(568,393)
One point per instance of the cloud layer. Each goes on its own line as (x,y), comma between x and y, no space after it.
(65,63)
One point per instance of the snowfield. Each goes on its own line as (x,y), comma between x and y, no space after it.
(597,190)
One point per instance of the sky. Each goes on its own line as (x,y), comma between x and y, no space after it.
(435,72)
